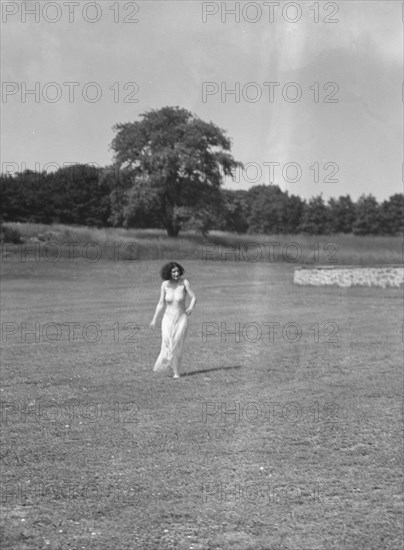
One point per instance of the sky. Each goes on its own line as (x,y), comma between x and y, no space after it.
(310,93)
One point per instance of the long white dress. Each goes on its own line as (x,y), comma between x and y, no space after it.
(174,327)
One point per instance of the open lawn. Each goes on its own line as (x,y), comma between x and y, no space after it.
(264,443)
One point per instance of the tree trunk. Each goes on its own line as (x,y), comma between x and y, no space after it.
(172,229)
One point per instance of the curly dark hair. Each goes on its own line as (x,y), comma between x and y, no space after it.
(166,270)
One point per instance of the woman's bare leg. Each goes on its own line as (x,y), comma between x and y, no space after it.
(175,367)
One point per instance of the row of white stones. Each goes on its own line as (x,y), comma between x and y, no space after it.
(383,276)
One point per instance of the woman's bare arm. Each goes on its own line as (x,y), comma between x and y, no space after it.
(191,306)
(159,307)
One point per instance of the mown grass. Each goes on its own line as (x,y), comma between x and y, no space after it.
(99,453)
(146,244)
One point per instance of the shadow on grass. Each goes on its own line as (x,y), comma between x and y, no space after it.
(203,371)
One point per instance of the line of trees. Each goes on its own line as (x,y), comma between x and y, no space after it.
(167,172)
(102,197)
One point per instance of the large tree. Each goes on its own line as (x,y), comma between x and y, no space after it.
(177,164)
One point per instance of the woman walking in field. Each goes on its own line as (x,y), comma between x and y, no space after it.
(174,290)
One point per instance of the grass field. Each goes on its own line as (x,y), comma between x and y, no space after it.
(100,453)
(153,244)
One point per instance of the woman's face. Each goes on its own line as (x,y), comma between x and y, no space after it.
(175,273)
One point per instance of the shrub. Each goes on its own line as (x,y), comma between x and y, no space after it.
(10,235)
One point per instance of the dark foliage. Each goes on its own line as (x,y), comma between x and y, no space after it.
(73,195)
(85,195)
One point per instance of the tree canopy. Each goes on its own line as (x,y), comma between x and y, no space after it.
(177,163)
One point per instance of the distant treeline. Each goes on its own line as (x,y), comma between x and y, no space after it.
(92,196)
